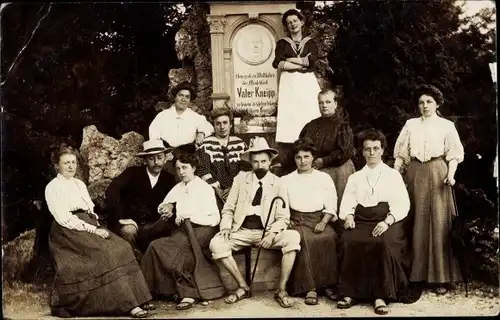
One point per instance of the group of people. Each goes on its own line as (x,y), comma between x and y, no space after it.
(393,221)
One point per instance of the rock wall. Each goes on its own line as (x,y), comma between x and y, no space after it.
(17,255)
(106,157)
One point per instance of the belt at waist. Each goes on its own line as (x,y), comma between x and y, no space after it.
(252,222)
(80,211)
(431,159)
(195,225)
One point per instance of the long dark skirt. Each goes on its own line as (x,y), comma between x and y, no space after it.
(373,267)
(339,176)
(94,276)
(433,209)
(168,263)
(316,264)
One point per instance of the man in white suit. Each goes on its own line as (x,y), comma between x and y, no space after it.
(244,216)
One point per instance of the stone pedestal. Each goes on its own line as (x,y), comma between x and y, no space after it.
(243,40)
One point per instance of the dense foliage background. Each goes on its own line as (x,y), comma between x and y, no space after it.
(107,64)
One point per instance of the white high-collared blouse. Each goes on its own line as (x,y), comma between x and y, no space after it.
(387,186)
(311,192)
(64,195)
(428,138)
(178,129)
(195,200)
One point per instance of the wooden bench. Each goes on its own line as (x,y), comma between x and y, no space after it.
(268,269)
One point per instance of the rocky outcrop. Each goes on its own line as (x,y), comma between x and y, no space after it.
(107,157)
(17,255)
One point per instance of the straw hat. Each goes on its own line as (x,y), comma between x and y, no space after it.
(153,147)
(258,144)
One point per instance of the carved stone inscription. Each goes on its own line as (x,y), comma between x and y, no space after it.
(255,79)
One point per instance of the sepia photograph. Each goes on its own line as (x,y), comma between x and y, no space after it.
(256,159)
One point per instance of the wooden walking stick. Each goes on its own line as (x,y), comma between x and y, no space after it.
(263,234)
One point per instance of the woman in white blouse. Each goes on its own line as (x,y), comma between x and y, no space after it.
(430,148)
(373,246)
(169,262)
(312,199)
(96,271)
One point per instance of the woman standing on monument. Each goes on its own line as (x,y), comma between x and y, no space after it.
(295,58)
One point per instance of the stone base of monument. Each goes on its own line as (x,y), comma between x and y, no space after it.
(267,274)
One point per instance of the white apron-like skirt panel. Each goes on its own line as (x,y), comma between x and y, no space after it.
(297,104)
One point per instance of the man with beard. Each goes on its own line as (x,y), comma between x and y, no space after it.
(220,155)
(244,216)
(133,198)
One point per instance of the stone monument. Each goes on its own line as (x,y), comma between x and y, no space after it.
(243,40)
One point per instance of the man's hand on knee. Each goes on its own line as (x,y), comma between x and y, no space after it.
(267,241)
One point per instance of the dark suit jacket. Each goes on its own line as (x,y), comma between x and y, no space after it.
(130,196)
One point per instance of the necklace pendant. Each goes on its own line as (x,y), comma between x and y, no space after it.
(372,191)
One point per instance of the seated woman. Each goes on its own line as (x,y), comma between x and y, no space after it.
(312,198)
(372,252)
(96,271)
(169,262)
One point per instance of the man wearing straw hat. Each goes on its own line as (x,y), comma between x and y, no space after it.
(133,198)
(245,218)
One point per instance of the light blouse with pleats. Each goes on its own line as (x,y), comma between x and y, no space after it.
(64,195)
(425,139)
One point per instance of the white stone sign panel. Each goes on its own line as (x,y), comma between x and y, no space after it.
(255,89)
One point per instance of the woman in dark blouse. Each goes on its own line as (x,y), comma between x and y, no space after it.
(332,136)
(295,58)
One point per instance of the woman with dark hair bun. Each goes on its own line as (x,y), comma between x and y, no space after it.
(97,273)
(169,262)
(430,148)
(295,59)
(312,199)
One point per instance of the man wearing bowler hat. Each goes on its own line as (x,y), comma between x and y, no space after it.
(244,219)
(133,198)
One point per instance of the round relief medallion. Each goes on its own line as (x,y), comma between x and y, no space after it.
(254,44)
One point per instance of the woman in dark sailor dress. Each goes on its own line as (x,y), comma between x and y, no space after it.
(97,273)
(295,58)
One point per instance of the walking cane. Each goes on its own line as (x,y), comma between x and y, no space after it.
(461,252)
(263,234)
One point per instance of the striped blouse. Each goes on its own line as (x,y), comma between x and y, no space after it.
(218,164)
(65,195)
